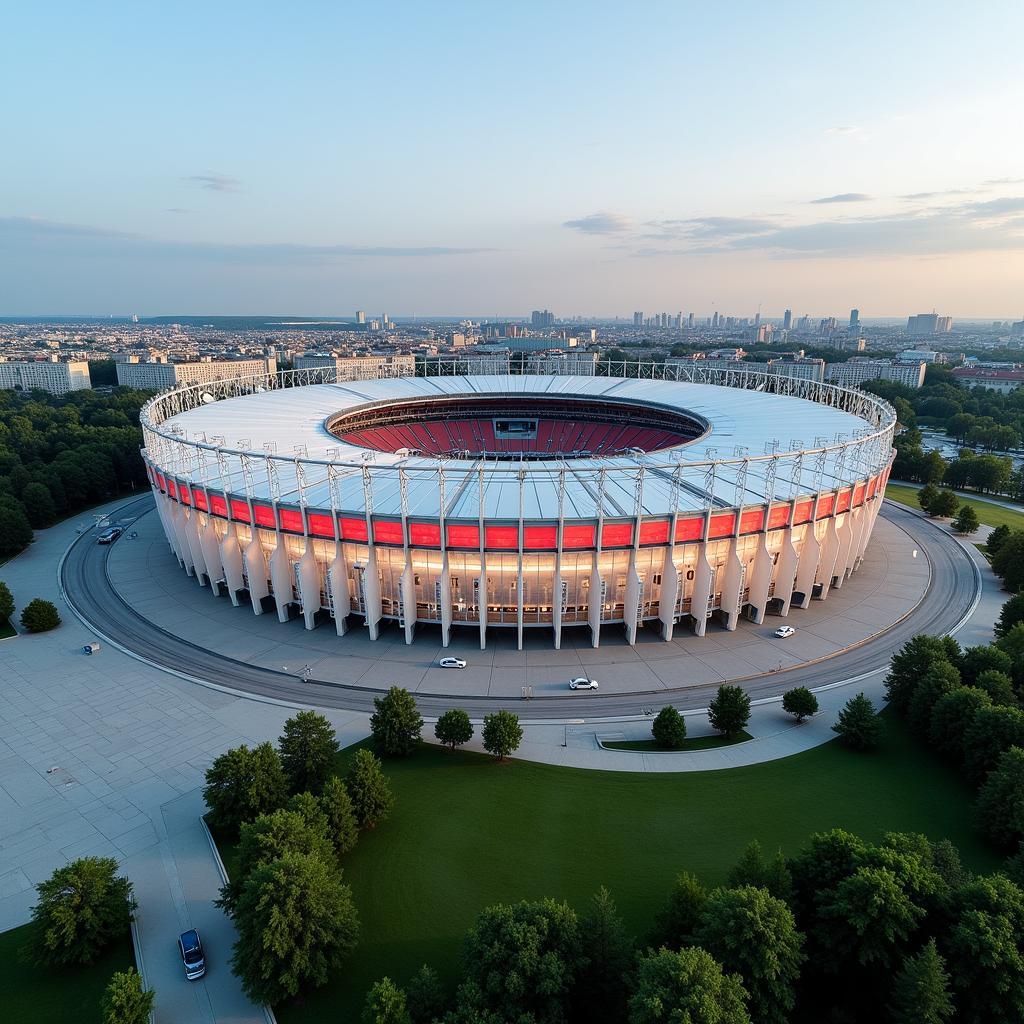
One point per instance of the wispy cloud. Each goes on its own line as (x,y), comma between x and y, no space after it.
(843,129)
(176,209)
(844,197)
(214,182)
(19,233)
(1004,181)
(601,223)
(915,196)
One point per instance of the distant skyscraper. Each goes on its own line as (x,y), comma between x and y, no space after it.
(787,320)
(757,319)
(689,320)
(360,317)
(855,318)
(638,319)
(542,318)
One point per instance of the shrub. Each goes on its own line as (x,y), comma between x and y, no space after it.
(858,726)
(40,616)
(453,728)
(729,712)
(800,702)
(669,729)
(6,603)
(502,734)
(966,520)
(396,723)
(125,1001)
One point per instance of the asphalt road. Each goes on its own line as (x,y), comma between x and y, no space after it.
(88,589)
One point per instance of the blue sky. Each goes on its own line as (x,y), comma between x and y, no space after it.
(483,158)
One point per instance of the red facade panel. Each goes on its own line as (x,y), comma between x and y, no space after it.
(575,537)
(320,525)
(826,503)
(425,535)
(385,532)
(691,528)
(264,515)
(617,535)
(843,501)
(858,494)
(501,538)
(463,536)
(239,510)
(353,529)
(162,481)
(654,532)
(291,519)
(199,497)
(540,538)
(802,512)
(185,494)
(219,507)
(778,516)
(722,525)
(172,488)
(752,521)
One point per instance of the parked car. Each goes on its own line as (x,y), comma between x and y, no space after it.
(452,663)
(784,631)
(190,946)
(110,535)
(582,683)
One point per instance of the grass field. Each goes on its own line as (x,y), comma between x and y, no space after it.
(467,832)
(691,743)
(988,513)
(48,995)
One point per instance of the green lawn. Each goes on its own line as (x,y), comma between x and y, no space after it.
(468,832)
(55,995)
(988,514)
(6,629)
(692,743)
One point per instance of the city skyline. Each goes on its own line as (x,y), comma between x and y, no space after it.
(566,159)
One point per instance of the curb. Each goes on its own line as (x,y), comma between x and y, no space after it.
(140,964)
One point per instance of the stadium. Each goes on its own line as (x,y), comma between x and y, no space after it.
(659,496)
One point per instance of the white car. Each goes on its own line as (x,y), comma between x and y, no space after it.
(452,663)
(582,684)
(784,631)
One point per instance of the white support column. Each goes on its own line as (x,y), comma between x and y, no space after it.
(596,601)
(702,580)
(337,581)
(556,603)
(761,578)
(733,583)
(786,571)
(309,580)
(446,597)
(190,519)
(231,560)
(407,587)
(165,521)
(371,593)
(281,577)
(845,533)
(631,600)
(184,551)
(256,571)
(669,591)
(209,542)
(860,519)
(827,561)
(810,552)
(482,598)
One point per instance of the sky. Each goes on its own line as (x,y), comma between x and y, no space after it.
(488,159)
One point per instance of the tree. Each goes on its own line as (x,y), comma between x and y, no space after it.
(828,858)
(868,917)
(453,728)
(342,826)
(83,907)
(920,991)
(502,734)
(992,731)
(15,530)
(6,603)
(979,659)
(40,616)
(1012,613)
(984,941)
(125,1001)
(243,783)
(669,729)
(385,1004)
(396,723)
(940,679)
(308,748)
(944,504)
(1011,643)
(752,869)
(729,711)
(911,662)
(296,923)
(926,496)
(996,539)
(1008,561)
(425,996)
(678,920)
(269,838)
(800,702)
(38,504)
(858,726)
(688,987)
(998,685)
(524,959)
(369,789)
(601,991)
(749,931)
(966,520)
(951,718)
(1000,807)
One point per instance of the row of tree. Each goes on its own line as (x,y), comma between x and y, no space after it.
(845,931)
(60,454)
(944,504)
(966,703)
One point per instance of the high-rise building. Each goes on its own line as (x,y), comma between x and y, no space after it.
(689,320)
(156,376)
(360,316)
(787,320)
(638,318)
(45,375)
(542,318)
(855,318)
(925,323)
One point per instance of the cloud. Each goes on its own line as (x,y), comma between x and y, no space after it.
(941,192)
(601,223)
(22,233)
(709,227)
(844,197)
(214,182)
(176,209)
(1004,181)
(843,129)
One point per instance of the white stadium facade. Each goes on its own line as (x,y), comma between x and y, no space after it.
(664,496)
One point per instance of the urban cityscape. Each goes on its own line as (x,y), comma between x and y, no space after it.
(512,516)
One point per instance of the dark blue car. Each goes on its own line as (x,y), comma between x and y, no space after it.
(190,946)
